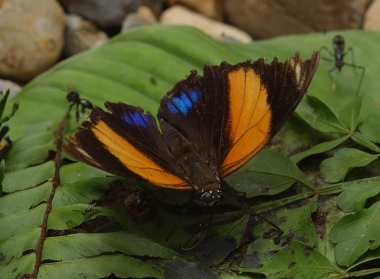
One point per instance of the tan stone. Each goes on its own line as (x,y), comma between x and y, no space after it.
(81,35)
(181,15)
(209,8)
(372,17)
(32,37)
(265,19)
(143,16)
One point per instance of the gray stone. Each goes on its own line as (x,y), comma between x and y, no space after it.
(81,35)
(143,16)
(266,19)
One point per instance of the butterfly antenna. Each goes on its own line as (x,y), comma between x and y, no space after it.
(183,211)
(278,230)
(200,240)
(174,227)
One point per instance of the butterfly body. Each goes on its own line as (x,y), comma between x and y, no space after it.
(210,126)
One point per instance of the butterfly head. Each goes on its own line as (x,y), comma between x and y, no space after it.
(212,196)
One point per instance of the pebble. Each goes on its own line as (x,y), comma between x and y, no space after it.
(209,8)
(104,13)
(371,20)
(218,30)
(14,88)
(267,19)
(81,35)
(143,16)
(32,37)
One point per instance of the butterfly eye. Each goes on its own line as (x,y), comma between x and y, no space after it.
(208,197)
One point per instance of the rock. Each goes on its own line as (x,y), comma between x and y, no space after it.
(143,16)
(371,20)
(209,8)
(108,14)
(265,19)
(7,84)
(156,6)
(81,35)
(220,31)
(31,35)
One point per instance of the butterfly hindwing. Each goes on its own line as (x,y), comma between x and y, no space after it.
(232,111)
(127,142)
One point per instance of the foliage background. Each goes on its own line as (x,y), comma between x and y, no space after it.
(327,206)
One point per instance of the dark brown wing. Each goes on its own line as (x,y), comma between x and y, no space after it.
(232,111)
(128,143)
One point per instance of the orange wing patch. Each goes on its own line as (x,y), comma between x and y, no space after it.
(250,118)
(135,160)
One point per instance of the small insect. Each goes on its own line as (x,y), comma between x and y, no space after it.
(89,209)
(339,54)
(74,98)
(153,80)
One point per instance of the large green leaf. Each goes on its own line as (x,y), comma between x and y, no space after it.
(43,201)
(355,234)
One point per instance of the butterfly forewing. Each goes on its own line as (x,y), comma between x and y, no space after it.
(127,143)
(262,97)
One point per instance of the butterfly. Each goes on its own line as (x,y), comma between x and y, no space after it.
(208,126)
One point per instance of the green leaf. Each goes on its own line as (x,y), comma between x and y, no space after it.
(349,114)
(319,148)
(82,191)
(17,267)
(20,223)
(224,237)
(268,173)
(336,168)
(319,115)
(13,247)
(324,220)
(3,101)
(100,267)
(30,177)
(356,193)
(78,171)
(180,268)
(371,128)
(300,261)
(355,234)
(74,246)
(296,225)
(363,141)
(23,200)
(33,147)
(2,175)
